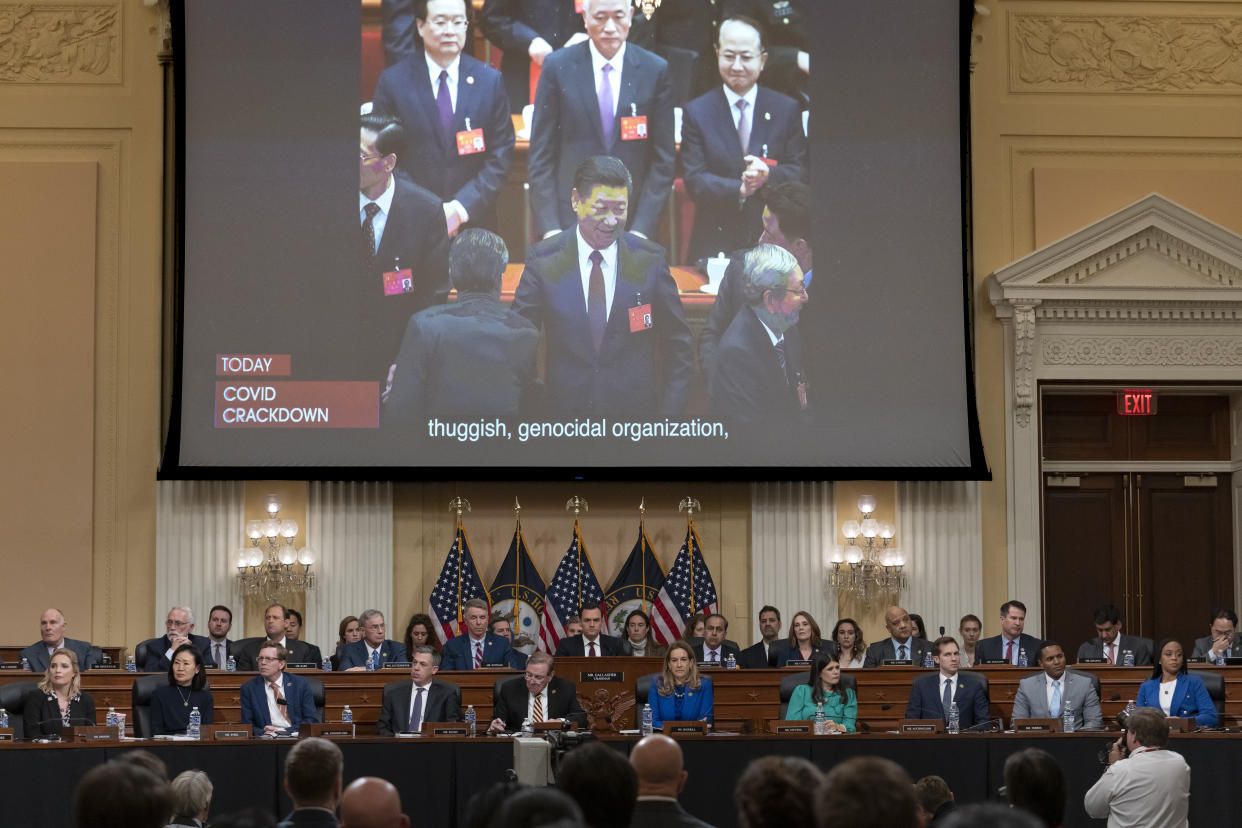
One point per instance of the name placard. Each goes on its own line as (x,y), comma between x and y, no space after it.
(684,728)
(1180,725)
(895,662)
(111,665)
(921,726)
(445,729)
(302,665)
(91,733)
(332,730)
(13,666)
(1093,660)
(802,662)
(224,732)
(6,735)
(397,665)
(601,675)
(790,726)
(1038,726)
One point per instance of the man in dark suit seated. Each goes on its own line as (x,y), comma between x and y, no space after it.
(467,359)
(293,632)
(763,653)
(502,625)
(713,649)
(410,702)
(179,624)
(1111,645)
(274,618)
(52,626)
(455,111)
(736,140)
(603,97)
(275,702)
(901,645)
(526,32)
(374,650)
(476,647)
(932,694)
(1012,645)
(404,262)
(1224,641)
(759,376)
(314,777)
(540,696)
(592,642)
(219,623)
(608,306)
(661,773)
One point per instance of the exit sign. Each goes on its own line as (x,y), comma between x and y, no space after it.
(1136,401)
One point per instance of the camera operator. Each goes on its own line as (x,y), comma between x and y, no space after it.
(1149,788)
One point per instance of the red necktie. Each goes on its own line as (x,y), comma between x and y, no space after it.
(1009,652)
(591,654)
(1112,658)
(597,299)
(478,655)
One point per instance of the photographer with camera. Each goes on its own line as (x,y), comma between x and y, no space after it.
(1145,783)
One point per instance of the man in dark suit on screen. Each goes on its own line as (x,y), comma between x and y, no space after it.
(602,97)
(540,696)
(737,139)
(410,702)
(455,111)
(404,249)
(526,32)
(607,305)
(592,642)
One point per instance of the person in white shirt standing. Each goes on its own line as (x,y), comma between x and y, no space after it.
(1150,788)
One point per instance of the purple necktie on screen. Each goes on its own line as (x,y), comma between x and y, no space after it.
(743,125)
(597,315)
(607,109)
(445,104)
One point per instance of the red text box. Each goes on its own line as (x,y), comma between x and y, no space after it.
(258,404)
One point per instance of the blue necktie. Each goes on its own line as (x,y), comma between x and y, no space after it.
(1054,707)
(416,715)
(947,699)
(375,660)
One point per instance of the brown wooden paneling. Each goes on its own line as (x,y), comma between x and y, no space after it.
(1183,428)
(1083,427)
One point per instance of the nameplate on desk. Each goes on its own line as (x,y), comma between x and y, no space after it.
(1038,726)
(802,662)
(1180,725)
(786,726)
(112,665)
(554,726)
(1233,661)
(601,675)
(91,733)
(712,665)
(683,728)
(991,661)
(14,666)
(487,665)
(224,732)
(445,729)
(302,665)
(921,726)
(1092,660)
(335,730)
(896,662)
(6,735)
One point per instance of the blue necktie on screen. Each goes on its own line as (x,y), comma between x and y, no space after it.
(444,103)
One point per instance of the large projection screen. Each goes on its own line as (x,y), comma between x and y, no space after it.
(273,316)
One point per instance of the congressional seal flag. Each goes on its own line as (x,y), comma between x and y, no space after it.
(517,591)
(635,586)
(458,582)
(573,585)
(687,589)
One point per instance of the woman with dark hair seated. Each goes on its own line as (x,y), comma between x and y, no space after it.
(824,687)
(172,703)
(681,694)
(58,701)
(805,641)
(1175,691)
(421,632)
(349,631)
(638,640)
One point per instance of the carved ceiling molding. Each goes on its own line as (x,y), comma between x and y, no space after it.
(60,44)
(1187,351)
(1155,240)
(1125,54)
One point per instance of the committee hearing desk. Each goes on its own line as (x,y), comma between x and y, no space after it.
(437,775)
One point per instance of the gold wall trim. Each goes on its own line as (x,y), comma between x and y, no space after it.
(1125,54)
(61,44)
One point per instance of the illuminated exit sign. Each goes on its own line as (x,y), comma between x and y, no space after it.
(1136,401)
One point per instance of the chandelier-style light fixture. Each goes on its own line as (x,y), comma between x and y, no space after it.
(869,564)
(271,565)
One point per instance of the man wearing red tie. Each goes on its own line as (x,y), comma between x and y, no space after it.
(476,647)
(1012,646)
(1111,645)
(592,643)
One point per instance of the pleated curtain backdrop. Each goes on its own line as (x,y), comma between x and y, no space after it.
(791,527)
(199,528)
(939,529)
(350,526)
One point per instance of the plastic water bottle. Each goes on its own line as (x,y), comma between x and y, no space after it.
(927,660)
(1130,708)
(4,717)
(1067,717)
(130,666)
(821,721)
(1022,661)
(327,665)
(528,729)
(646,727)
(1127,659)
(730,662)
(472,718)
(230,665)
(194,729)
(955,718)
(110,719)
(26,664)
(347,715)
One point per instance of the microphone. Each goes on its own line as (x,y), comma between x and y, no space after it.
(942,630)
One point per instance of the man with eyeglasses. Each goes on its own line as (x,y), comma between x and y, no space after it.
(178,630)
(539,695)
(758,381)
(456,116)
(274,702)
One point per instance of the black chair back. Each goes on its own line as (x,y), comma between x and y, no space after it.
(95,657)
(140,702)
(1215,685)
(13,700)
(642,687)
(140,654)
(499,682)
(317,694)
(982,679)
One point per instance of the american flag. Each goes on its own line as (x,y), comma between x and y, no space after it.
(676,602)
(573,585)
(456,585)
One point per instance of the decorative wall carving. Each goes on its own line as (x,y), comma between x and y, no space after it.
(1125,54)
(1155,240)
(59,44)
(1024,360)
(1141,350)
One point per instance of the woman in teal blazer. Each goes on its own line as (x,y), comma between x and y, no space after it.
(824,686)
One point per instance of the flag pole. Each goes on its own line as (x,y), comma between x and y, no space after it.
(457,504)
(517,564)
(578,505)
(642,537)
(689,505)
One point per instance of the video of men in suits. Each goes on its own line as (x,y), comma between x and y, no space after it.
(588,233)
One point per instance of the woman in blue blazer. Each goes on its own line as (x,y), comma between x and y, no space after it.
(1175,691)
(682,695)
(824,687)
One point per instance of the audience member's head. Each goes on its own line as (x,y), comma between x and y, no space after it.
(658,762)
(773,793)
(1148,727)
(484,806)
(191,792)
(145,759)
(1034,782)
(990,815)
(867,792)
(540,808)
(602,782)
(313,771)
(932,792)
(371,802)
(246,818)
(122,795)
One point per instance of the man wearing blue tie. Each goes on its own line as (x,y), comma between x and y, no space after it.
(374,650)
(476,647)
(932,696)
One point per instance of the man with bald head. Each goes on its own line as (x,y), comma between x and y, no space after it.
(901,645)
(371,802)
(661,776)
(52,626)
